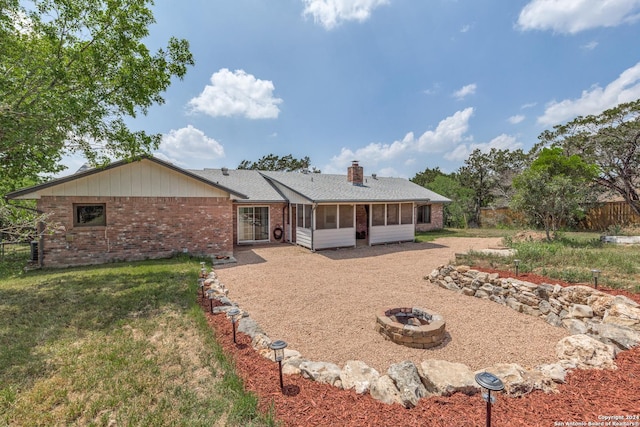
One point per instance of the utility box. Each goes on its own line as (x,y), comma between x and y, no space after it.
(34,250)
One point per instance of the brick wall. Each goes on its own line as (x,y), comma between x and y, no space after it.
(138,228)
(437,219)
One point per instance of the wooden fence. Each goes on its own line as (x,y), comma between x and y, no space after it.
(599,218)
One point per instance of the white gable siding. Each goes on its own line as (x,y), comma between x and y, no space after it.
(136,179)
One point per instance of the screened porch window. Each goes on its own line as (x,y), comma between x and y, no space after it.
(326,217)
(346,216)
(406,213)
(303,216)
(253,223)
(393,216)
(377,215)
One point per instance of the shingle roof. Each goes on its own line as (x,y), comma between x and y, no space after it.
(247,182)
(335,188)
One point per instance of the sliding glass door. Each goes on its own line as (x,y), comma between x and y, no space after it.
(253,224)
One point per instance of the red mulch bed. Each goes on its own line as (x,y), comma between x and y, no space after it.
(587,396)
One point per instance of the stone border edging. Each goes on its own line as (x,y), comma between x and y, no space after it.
(405,382)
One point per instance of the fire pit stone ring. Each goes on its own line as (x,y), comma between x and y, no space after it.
(412,327)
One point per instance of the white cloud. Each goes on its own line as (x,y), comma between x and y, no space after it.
(625,88)
(573,16)
(189,143)
(590,46)
(450,131)
(516,119)
(501,142)
(465,91)
(528,105)
(330,13)
(465,28)
(237,94)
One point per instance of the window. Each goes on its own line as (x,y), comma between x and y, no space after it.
(346,216)
(424,214)
(89,215)
(393,216)
(326,217)
(377,215)
(406,213)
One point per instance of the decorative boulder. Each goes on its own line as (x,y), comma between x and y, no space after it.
(445,378)
(322,372)
(623,315)
(514,377)
(586,352)
(621,336)
(406,378)
(385,390)
(358,375)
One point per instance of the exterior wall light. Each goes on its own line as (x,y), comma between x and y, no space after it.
(233,315)
(517,263)
(595,273)
(278,354)
(491,383)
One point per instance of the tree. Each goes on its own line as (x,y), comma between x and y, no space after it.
(271,162)
(554,189)
(426,177)
(456,213)
(71,71)
(611,141)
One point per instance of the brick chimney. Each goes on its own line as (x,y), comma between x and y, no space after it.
(355,173)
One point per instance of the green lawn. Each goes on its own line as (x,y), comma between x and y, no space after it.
(120,343)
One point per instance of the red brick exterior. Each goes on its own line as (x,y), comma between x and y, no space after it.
(137,228)
(437,219)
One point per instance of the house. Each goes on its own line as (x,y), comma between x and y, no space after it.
(152,209)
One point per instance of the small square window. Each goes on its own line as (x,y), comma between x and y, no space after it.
(89,215)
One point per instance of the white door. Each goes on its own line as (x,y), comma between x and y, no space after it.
(253,224)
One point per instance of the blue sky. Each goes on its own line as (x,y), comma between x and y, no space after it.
(400,85)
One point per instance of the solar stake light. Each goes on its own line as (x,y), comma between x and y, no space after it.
(201,285)
(203,270)
(278,354)
(491,383)
(233,314)
(211,298)
(517,263)
(595,273)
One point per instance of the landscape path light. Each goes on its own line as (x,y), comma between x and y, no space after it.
(210,292)
(203,270)
(517,263)
(278,354)
(201,285)
(233,315)
(595,273)
(491,383)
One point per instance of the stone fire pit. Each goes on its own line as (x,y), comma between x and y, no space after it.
(411,327)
